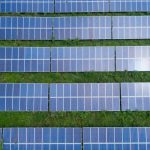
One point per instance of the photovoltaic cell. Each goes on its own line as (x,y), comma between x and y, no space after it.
(24,59)
(131,27)
(135,96)
(136,138)
(23,97)
(42,138)
(91,27)
(81,6)
(81,59)
(25,28)
(133,58)
(46,6)
(84,97)
(129,5)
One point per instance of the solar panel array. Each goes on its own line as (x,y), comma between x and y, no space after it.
(24,59)
(91,27)
(41,138)
(129,5)
(81,59)
(135,96)
(81,6)
(135,138)
(16,6)
(67,6)
(25,28)
(23,97)
(85,97)
(133,58)
(131,27)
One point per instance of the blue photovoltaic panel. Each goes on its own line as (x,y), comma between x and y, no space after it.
(46,6)
(135,96)
(81,6)
(90,27)
(85,97)
(81,59)
(133,58)
(129,5)
(42,139)
(136,138)
(24,59)
(23,97)
(25,28)
(131,27)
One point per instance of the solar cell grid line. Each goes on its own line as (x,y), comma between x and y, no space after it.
(30,6)
(84,97)
(129,5)
(133,58)
(25,28)
(42,138)
(24,59)
(135,96)
(116,138)
(82,27)
(81,59)
(66,6)
(23,97)
(131,27)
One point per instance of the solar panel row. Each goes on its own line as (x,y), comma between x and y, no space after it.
(23,97)
(42,138)
(64,28)
(114,138)
(66,6)
(135,138)
(75,59)
(75,97)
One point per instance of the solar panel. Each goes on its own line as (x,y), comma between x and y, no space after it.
(131,27)
(46,6)
(42,139)
(136,138)
(25,28)
(133,58)
(81,59)
(84,97)
(135,96)
(129,5)
(23,97)
(91,27)
(81,6)
(24,59)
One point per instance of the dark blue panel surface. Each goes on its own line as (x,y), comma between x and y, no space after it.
(42,138)
(23,97)
(46,6)
(84,97)
(135,96)
(131,27)
(104,138)
(129,5)
(24,59)
(81,59)
(87,27)
(25,28)
(133,58)
(81,6)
